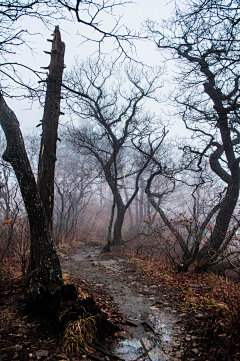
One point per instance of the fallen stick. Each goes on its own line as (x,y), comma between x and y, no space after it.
(106,352)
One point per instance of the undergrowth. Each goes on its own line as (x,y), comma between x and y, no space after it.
(79,335)
(215,299)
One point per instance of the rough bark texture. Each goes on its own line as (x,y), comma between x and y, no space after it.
(47,156)
(211,250)
(117,232)
(44,260)
(107,247)
(121,208)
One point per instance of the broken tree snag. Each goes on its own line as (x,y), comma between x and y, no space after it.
(47,155)
(43,254)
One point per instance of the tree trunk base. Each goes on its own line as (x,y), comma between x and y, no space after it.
(117,242)
(58,309)
(45,297)
(106,248)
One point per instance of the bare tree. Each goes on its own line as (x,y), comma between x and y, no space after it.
(206,48)
(43,255)
(74,189)
(44,260)
(15,34)
(116,113)
(190,227)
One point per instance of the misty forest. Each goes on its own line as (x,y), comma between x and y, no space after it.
(119,180)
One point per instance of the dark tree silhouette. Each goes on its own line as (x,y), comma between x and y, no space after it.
(47,155)
(117,117)
(15,34)
(44,259)
(206,46)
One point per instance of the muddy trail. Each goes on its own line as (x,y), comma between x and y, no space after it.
(153,327)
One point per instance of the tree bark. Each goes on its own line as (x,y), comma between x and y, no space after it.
(47,155)
(121,209)
(43,254)
(117,233)
(210,250)
(107,247)
(129,208)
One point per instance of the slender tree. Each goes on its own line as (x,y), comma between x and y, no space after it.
(44,258)
(116,116)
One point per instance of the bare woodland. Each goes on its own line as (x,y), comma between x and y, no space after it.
(113,174)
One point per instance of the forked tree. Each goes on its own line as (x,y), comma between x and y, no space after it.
(44,259)
(111,100)
(204,40)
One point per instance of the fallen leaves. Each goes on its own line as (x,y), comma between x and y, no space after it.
(211,302)
(102,299)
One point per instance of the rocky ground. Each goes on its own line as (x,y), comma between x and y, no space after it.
(154,326)
(152,323)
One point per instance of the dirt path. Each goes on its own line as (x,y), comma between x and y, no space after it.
(154,328)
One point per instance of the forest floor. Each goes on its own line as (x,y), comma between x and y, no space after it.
(159,315)
(152,327)
(165,316)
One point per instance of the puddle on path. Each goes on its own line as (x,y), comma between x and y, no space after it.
(153,344)
(144,349)
(88,254)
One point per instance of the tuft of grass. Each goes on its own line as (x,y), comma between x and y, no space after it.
(195,302)
(79,335)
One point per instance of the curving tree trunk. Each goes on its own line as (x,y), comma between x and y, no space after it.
(44,262)
(193,251)
(121,210)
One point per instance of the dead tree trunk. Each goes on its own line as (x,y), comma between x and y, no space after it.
(44,262)
(47,155)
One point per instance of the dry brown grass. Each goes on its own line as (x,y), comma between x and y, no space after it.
(79,335)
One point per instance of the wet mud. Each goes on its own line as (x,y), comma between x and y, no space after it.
(153,329)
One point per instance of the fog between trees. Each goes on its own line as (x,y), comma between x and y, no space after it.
(120,179)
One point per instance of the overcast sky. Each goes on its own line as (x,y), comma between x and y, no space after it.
(133,15)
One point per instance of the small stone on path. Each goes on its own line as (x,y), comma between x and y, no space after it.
(42,353)
(153,308)
(198,316)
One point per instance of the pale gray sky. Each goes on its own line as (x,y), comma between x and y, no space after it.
(133,16)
